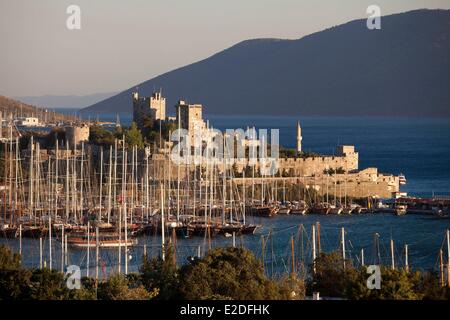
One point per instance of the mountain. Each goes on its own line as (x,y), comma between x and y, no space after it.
(69,101)
(402,69)
(17,108)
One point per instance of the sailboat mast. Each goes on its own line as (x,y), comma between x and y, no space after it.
(343,245)
(163,255)
(243,197)
(99,217)
(67,182)
(448,257)
(392,255)
(109,184)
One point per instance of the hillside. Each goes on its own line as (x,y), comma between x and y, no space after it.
(68,101)
(402,69)
(17,108)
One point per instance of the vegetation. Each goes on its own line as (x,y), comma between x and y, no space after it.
(100,136)
(103,137)
(133,137)
(225,273)
(331,279)
(230,273)
(161,275)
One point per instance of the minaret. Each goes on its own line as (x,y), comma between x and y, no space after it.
(299,138)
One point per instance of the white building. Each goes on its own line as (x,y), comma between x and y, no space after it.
(27,122)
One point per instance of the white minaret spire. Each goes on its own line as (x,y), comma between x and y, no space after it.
(299,138)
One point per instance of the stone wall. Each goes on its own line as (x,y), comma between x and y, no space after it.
(76,134)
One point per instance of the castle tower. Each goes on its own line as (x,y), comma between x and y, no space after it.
(189,116)
(153,107)
(299,138)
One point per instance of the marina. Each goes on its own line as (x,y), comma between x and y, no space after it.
(117,201)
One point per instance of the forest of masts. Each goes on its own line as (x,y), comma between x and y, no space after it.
(122,185)
(122,192)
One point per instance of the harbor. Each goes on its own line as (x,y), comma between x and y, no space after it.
(106,205)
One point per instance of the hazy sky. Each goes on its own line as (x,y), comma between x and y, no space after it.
(124,42)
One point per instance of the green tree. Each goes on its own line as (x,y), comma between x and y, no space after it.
(292,287)
(429,288)
(229,273)
(117,287)
(330,278)
(47,284)
(398,284)
(161,275)
(148,126)
(133,137)
(14,280)
(100,136)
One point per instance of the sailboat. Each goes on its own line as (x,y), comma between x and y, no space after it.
(104,241)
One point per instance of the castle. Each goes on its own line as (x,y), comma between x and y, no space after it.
(323,172)
(188,116)
(153,107)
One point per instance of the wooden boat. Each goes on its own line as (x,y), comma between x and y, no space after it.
(263,211)
(104,227)
(321,208)
(181,230)
(248,228)
(299,208)
(8,232)
(284,209)
(336,210)
(34,232)
(229,228)
(199,228)
(58,227)
(104,241)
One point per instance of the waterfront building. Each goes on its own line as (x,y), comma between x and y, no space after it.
(75,134)
(27,122)
(153,107)
(189,117)
(299,138)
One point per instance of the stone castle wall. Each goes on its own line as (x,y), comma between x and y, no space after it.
(76,134)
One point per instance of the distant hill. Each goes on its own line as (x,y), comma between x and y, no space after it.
(402,69)
(17,108)
(69,101)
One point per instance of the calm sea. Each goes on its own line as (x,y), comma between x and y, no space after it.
(417,147)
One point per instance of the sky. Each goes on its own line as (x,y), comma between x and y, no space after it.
(124,42)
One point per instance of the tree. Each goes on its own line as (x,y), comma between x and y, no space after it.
(398,284)
(100,136)
(429,287)
(133,137)
(117,288)
(47,284)
(229,273)
(14,280)
(292,287)
(148,124)
(161,275)
(330,278)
